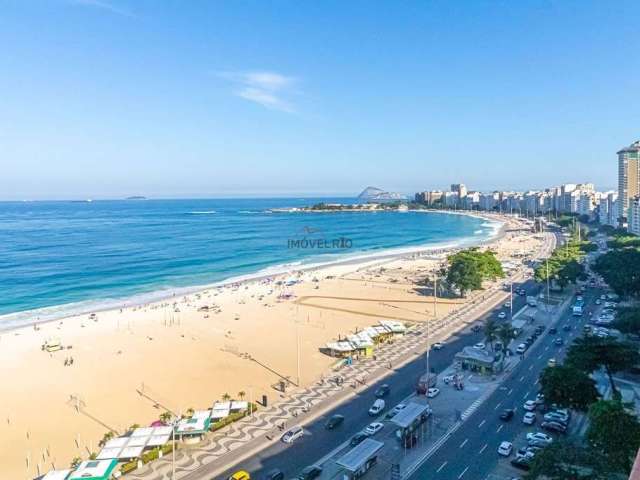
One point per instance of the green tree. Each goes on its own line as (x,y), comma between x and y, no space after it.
(628,320)
(506,334)
(165,417)
(491,328)
(621,270)
(568,387)
(226,397)
(563,460)
(105,438)
(590,353)
(467,269)
(615,432)
(242,394)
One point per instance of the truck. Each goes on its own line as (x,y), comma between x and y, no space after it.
(577,310)
(532,301)
(425,382)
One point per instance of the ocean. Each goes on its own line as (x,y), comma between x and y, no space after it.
(63,258)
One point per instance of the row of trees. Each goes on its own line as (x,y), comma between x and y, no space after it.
(613,436)
(468,268)
(564,265)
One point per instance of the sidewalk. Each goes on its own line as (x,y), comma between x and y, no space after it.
(250,435)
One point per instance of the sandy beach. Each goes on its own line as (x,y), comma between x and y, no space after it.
(130,365)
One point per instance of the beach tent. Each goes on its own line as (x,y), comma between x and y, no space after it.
(394,327)
(94,470)
(134,444)
(196,425)
(56,475)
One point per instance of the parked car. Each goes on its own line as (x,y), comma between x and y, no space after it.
(567,328)
(521,348)
(508,414)
(554,427)
(357,439)
(334,422)
(438,346)
(292,435)
(539,438)
(311,472)
(553,331)
(502,315)
(530,405)
(552,362)
(395,410)
(373,428)
(598,301)
(540,398)
(383,391)
(556,417)
(505,449)
(479,346)
(558,342)
(432,392)
(275,474)
(377,407)
(529,418)
(523,463)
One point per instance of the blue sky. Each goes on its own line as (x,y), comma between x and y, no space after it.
(108,98)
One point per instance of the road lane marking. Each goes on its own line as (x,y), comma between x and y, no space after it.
(510,392)
(521,378)
(539,356)
(546,348)
(483,448)
(464,442)
(498,405)
(526,395)
(481,423)
(441,467)
(499,428)
(463,472)
(530,367)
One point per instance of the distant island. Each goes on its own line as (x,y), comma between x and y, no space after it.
(136,197)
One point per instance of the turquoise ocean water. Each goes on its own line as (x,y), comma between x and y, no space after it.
(61,258)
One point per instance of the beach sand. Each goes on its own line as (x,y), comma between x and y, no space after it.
(131,365)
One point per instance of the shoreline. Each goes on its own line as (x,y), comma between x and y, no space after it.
(363,257)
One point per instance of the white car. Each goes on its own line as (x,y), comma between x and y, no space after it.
(292,435)
(432,392)
(603,297)
(377,407)
(507,305)
(395,410)
(438,346)
(552,362)
(539,437)
(502,315)
(530,405)
(447,379)
(373,428)
(479,346)
(505,449)
(529,418)
(598,301)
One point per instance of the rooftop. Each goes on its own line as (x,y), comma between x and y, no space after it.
(634,147)
(355,458)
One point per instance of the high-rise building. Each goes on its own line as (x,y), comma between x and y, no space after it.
(608,210)
(633,217)
(460,189)
(628,178)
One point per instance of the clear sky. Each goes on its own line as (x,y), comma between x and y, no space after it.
(109,98)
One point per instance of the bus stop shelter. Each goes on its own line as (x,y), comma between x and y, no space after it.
(410,417)
(357,461)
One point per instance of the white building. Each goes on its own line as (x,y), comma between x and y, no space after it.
(608,213)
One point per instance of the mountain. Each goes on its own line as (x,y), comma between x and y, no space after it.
(377,195)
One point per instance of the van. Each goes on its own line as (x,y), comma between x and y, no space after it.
(377,407)
(521,348)
(292,435)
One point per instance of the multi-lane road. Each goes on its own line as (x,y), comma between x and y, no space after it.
(471,452)
(318,442)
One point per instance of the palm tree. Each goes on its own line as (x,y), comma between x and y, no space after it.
(242,394)
(506,334)
(165,417)
(190,412)
(105,438)
(491,331)
(226,397)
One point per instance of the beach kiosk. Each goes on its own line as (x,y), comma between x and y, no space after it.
(341,349)
(410,418)
(395,328)
(56,475)
(480,361)
(360,459)
(362,344)
(196,426)
(94,470)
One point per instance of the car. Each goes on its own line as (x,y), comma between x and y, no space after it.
(558,342)
(275,474)
(383,390)
(522,292)
(395,410)
(334,422)
(373,428)
(598,301)
(554,427)
(521,348)
(240,475)
(447,379)
(377,407)
(553,331)
(540,398)
(358,438)
(539,438)
(523,463)
(529,418)
(479,346)
(556,417)
(552,362)
(528,451)
(438,346)
(432,392)
(529,341)
(603,297)
(566,328)
(309,473)
(507,305)
(502,315)
(292,435)
(476,328)
(530,405)
(505,449)
(540,329)
(507,414)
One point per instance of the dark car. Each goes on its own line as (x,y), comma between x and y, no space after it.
(334,422)
(357,439)
(529,341)
(383,391)
(567,328)
(554,427)
(553,331)
(539,329)
(522,463)
(559,342)
(274,474)
(507,414)
(309,473)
